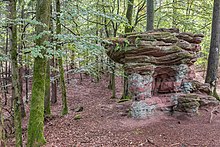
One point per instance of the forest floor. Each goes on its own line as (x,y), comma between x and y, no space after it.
(103,122)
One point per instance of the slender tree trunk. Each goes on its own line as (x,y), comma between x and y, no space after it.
(174,5)
(2,132)
(53,63)
(129,15)
(113,82)
(47,111)
(3,81)
(6,66)
(63,88)
(36,121)
(110,75)
(6,69)
(26,79)
(97,57)
(212,69)
(150,15)
(23,114)
(60,63)
(54,84)
(16,96)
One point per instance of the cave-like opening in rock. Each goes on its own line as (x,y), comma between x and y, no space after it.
(164,80)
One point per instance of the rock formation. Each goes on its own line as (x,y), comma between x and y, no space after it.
(161,62)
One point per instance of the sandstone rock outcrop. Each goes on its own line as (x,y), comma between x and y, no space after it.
(159,62)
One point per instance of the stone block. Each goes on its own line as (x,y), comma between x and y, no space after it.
(140,109)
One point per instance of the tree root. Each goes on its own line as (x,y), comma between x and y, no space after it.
(214,111)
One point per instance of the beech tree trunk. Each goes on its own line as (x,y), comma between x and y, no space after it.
(129,15)
(36,121)
(60,63)
(212,69)
(128,29)
(16,96)
(150,15)
(54,83)
(47,111)
(174,5)
(2,132)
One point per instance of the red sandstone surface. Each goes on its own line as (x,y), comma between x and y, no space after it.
(103,123)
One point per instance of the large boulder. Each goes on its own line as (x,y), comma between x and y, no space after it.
(190,103)
(161,62)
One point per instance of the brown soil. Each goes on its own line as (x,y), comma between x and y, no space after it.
(103,123)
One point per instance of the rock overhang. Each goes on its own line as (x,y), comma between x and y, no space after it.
(157,62)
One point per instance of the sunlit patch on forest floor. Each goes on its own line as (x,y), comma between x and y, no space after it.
(103,122)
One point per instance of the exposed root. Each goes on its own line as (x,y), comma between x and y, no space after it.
(214,111)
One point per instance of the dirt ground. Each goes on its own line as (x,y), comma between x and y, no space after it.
(103,123)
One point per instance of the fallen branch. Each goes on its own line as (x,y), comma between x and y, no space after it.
(174,144)
(150,141)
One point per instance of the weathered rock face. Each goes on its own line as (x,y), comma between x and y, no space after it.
(159,62)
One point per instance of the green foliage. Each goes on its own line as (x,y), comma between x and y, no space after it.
(4,57)
(85,26)
(124,99)
(189,16)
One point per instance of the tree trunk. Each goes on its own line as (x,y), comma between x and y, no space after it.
(26,79)
(54,83)
(212,69)
(16,96)
(60,62)
(54,64)
(113,82)
(2,132)
(150,15)
(36,121)
(23,114)
(47,111)
(128,30)
(129,14)
(174,22)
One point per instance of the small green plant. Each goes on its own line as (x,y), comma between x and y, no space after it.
(125,99)
(77,117)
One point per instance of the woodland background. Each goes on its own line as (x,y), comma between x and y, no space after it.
(65,37)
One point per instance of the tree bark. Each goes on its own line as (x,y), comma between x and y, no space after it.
(150,15)
(47,111)
(54,84)
(113,82)
(23,113)
(129,15)
(16,96)
(2,132)
(60,63)
(128,29)
(36,121)
(174,22)
(213,59)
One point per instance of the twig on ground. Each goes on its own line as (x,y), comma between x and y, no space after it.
(174,144)
(149,140)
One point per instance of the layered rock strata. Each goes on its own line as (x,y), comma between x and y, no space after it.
(159,62)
